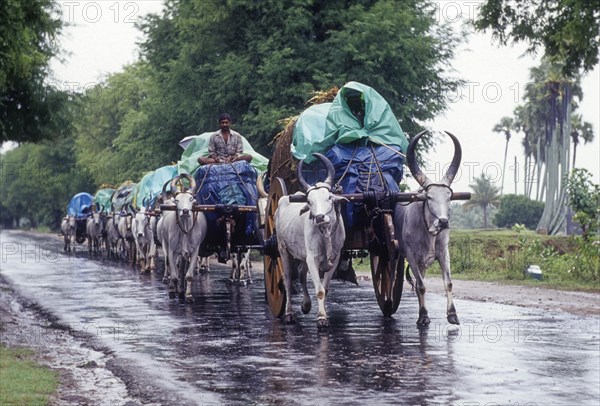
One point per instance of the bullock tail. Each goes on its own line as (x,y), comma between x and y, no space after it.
(409,277)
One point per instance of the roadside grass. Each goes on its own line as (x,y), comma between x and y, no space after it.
(503,255)
(22,381)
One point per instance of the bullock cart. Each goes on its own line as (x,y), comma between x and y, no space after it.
(361,168)
(80,207)
(227,197)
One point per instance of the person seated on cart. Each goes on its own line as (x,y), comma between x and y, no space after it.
(225,145)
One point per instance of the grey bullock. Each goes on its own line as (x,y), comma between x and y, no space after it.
(182,230)
(311,235)
(68,227)
(93,229)
(142,227)
(423,228)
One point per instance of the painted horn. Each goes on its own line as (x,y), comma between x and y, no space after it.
(455,164)
(411,161)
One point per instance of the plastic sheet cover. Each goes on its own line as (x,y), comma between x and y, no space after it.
(123,196)
(150,186)
(197,146)
(103,199)
(228,184)
(357,114)
(80,205)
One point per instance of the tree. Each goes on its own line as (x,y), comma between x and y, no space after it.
(263,70)
(30,109)
(505,126)
(518,209)
(39,180)
(550,99)
(485,196)
(109,140)
(580,131)
(584,198)
(568,30)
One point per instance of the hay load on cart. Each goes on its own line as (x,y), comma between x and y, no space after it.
(122,198)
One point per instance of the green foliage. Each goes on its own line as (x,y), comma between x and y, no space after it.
(584,198)
(569,30)
(518,209)
(24,382)
(109,142)
(485,196)
(38,180)
(468,217)
(30,109)
(565,261)
(266,68)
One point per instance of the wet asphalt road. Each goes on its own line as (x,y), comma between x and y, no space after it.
(227,349)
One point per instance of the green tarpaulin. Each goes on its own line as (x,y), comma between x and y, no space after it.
(199,147)
(358,113)
(150,186)
(102,199)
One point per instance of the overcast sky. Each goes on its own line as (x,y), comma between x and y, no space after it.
(102,39)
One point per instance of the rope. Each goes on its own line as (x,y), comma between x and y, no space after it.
(387,146)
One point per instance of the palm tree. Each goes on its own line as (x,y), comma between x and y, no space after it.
(505,126)
(580,130)
(485,196)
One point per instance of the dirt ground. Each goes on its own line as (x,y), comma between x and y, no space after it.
(89,374)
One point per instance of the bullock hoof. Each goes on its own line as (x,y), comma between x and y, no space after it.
(306,306)
(423,321)
(189,299)
(290,319)
(453,318)
(323,322)
(172,295)
(165,280)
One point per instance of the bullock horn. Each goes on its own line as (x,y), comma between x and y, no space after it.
(328,166)
(411,161)
(260,185)
(192,181)
(303,183)
(451,172)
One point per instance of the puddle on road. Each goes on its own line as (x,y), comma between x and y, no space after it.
(227,348)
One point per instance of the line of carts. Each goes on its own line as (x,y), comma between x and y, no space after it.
(240,200)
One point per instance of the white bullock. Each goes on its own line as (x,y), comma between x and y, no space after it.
(142,227)
(68,226)
(93,229)
(182,230)
(312,234)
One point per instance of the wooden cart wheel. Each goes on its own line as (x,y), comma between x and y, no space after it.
(274,288)
(387,272)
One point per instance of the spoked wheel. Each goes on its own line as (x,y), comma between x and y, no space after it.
(274,289)
(387,272)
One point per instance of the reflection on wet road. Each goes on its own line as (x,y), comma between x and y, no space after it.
(226,348)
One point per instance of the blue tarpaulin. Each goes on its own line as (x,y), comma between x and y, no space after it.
(80,205)
(228,184)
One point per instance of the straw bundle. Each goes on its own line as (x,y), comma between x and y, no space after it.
(283,164)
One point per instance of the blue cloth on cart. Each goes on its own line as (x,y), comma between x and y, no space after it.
(365,168)
(232,184)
